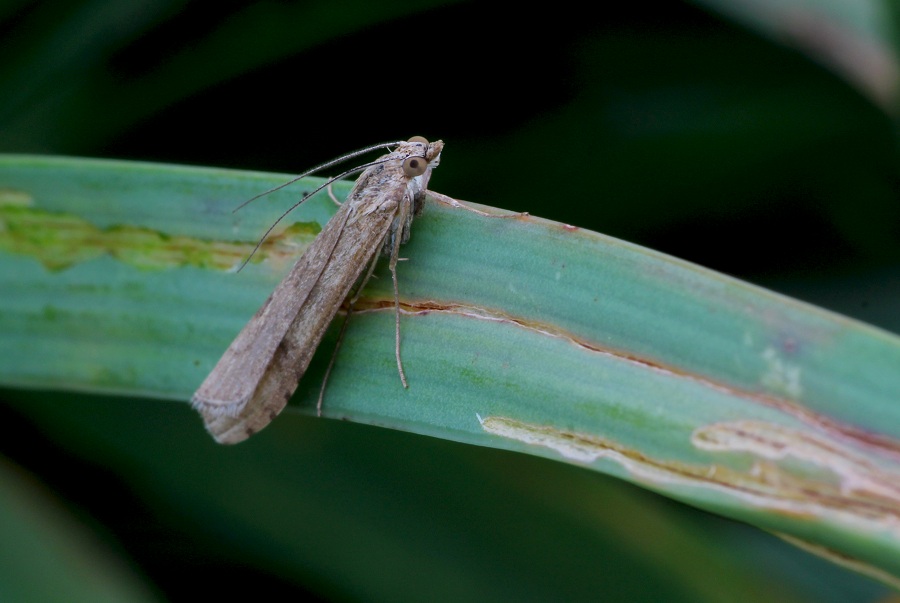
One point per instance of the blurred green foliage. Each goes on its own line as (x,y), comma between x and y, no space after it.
(749,144)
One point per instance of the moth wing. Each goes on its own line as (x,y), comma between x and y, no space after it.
(230,385)
(337,263)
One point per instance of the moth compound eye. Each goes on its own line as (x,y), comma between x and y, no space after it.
(414,166)
(421,139)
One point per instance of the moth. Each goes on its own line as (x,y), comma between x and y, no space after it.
(260,370)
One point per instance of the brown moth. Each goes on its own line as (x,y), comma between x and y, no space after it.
(260,370)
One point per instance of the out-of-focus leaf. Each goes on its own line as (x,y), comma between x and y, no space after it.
(855,38)
(48,556)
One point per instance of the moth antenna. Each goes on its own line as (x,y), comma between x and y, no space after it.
(327,164)
(307,196)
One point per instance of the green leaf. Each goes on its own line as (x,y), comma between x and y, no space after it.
(518,333)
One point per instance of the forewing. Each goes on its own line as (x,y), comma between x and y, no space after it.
(354,246)
(236,376)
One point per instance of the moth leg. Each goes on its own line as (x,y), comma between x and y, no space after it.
(395,253)
(332,195)
(340,339)
(337,346)
(450,201)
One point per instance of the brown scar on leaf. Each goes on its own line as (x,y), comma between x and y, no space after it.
(802,465)
(866,497)
(876,443)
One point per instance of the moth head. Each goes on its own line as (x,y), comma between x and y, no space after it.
(423,154)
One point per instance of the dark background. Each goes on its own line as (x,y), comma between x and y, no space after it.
(661,123)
